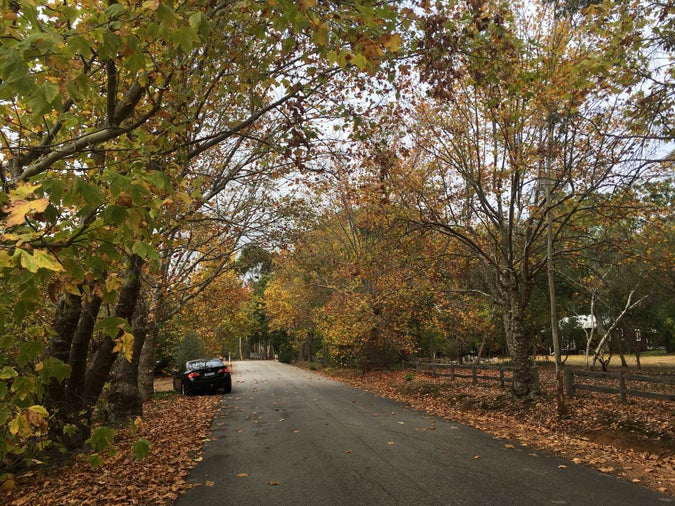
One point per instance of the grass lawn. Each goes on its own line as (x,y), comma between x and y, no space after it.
(655,359)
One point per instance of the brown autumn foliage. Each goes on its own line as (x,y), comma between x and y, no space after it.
(634,441)
(177,428)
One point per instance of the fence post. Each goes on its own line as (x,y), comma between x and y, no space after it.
(473,374)
(501,377)
(452,371)
(569,381)
(622,386)
(433,369)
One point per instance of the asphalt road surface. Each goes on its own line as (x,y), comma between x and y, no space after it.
(286,436)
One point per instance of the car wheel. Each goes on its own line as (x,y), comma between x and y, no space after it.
(228,386)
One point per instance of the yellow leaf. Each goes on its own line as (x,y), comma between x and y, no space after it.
(8,484)
(125,344)
(152,5)
(393,43)
(18,209)
(304,5)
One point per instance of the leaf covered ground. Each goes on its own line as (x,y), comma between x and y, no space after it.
(635,441)
(176,427)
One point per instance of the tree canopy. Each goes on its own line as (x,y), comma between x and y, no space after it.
(355,181)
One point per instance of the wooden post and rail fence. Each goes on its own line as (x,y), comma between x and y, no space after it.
(475,371)
(621,379)
(621,382)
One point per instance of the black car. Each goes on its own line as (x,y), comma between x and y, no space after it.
(204,374)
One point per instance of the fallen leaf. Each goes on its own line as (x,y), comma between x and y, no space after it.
(562,466)
(243,475)
(510,446)
(209,483)
(273,483)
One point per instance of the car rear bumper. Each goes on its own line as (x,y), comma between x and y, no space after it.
(205,384)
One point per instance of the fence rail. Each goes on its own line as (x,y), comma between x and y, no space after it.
(454,371)
(571,386)
(573,382)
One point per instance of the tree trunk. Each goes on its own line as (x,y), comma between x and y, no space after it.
(146,366)
(99,370)
(125,397)
(525,375)
(525,383)
(80,349)
(68,311)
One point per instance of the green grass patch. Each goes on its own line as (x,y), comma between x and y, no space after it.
(165,394)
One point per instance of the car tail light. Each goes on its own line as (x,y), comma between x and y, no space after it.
(193,375)
(222,371)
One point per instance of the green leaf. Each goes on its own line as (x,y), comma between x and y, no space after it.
(91,193)
(111,325)
(41,100)
(141,449)
(29,352)
(167,17)
(185,38)
(102,438)
(145,250)
(115,10)
(69,429)
(24,387)
(95,461)
(12,66)
(5,259)
(8,372)
(115,215)
(52,367)
(136,57)
(5,413)
(80,45)
(359,60)
(20,310)
(111,44)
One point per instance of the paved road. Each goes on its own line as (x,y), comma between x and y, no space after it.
(285,436)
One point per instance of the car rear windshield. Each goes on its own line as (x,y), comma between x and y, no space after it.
(203,364)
